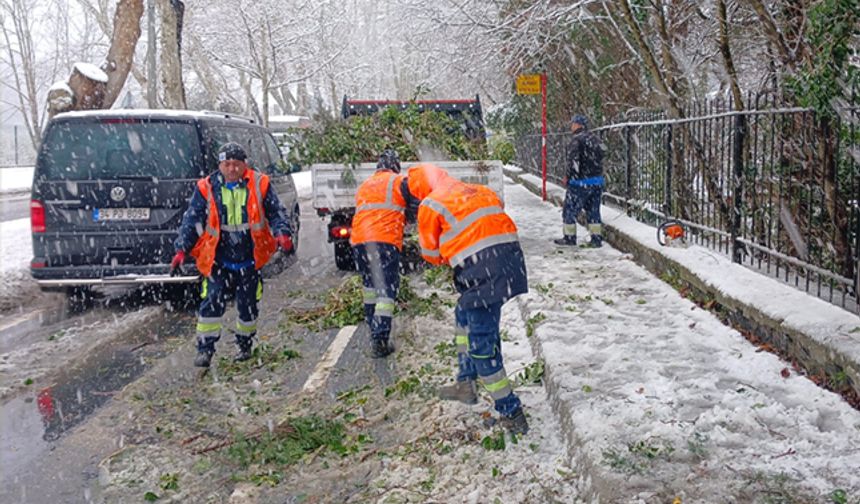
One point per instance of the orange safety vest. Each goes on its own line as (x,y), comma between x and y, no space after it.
(456,220)
(264,242)
(379,210)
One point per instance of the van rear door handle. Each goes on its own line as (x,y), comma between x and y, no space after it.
(64,202)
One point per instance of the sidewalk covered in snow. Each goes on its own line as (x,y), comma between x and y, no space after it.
(658,398)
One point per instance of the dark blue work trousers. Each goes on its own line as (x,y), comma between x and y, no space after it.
(379,264)
(483,355)
(247,286)
(578,198)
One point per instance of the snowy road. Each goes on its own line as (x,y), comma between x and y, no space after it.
(108,405)
(14,206)
(97,394)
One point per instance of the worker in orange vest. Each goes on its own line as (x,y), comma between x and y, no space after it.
(377,238)
(465,226)
(232,227)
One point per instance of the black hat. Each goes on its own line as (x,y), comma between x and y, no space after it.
(389,160)
(581,120)
(231,150)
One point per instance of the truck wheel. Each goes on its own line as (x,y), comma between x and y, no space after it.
(79,299)
(343,256)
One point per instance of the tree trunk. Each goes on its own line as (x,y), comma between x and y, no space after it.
(726,52)
(172,12)
(251,106)
(650,60)
(89,90)
(28,104)
(836,210)
(118,63)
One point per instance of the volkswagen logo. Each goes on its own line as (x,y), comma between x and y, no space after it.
(117,193)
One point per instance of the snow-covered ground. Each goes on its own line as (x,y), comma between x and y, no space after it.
(18,179)
(15,254)
(303,183)
(657,398)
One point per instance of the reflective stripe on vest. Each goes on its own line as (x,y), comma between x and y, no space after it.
(470,219)
(429,253)
(264,222)
(489,241)
(210,203)
(389,203)
(234,201)
(457,226)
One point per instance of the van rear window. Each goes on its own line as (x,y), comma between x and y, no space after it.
(120,148)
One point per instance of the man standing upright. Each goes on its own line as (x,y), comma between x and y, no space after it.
(584,183)
(377,238)
(465,226)
(233,226)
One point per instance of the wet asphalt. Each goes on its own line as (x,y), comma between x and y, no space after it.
(14,206)
(49,453)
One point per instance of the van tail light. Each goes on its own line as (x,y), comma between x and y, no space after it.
(37,216)
(340,232)
(38,264)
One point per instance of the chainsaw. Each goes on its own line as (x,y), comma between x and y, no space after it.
(672,233)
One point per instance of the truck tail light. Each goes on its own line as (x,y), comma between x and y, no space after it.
(37,216)
(341,232)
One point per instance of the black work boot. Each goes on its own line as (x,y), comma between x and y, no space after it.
(569,241)
(245,344)
(595,242)
(463,391)
(516,424)
(204,358)
(380,348)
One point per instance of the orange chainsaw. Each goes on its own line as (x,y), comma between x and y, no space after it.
(672,233)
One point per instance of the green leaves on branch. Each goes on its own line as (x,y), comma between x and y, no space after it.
(362,138)
(827,73)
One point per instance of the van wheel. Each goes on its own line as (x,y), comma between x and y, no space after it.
(181,297)
(79,299)
(343,256)
(296,224)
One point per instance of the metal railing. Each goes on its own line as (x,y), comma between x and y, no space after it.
(775,188)
(15,147)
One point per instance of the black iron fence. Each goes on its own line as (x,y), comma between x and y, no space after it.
(776,188)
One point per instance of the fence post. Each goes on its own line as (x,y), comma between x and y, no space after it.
(737,184)
(667,208)
(628,179)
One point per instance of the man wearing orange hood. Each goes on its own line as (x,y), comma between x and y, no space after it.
(464,225)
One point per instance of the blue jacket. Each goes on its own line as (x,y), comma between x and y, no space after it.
(493,275)
(234,248)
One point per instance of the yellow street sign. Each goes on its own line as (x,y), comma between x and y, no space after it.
(528,84)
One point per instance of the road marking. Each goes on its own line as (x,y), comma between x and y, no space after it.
(329,359)
(20,320)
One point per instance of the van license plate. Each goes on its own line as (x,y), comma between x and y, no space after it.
(120,214)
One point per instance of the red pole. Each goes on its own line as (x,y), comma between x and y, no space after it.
(543,131)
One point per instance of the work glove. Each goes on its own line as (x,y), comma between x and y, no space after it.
(176,263)
(285,242)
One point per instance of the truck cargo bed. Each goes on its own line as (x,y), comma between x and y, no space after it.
(334,185)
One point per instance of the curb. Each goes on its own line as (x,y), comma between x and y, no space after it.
(824,364)
(822,361)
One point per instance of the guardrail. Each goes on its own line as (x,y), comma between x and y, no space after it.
(776,188)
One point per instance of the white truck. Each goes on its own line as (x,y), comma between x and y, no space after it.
(334,187)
